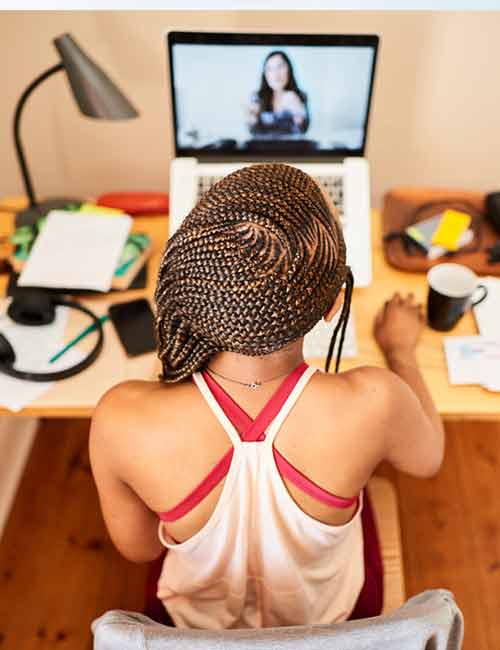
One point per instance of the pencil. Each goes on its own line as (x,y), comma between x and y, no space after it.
(77,339)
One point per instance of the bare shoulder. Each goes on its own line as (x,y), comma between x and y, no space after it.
(121,401)
(141,405)
(130,409)
(376,389)
(366,401)
(128,420)
(117,413)
(380,385)
(353,411)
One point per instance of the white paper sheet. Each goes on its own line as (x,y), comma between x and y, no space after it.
(487,313)
(317,341)
(77,251)
(34,346)
(473,360)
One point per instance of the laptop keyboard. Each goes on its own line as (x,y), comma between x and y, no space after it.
(334,185)
(205,183)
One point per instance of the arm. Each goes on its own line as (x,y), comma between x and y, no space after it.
(415,442)
(132,526)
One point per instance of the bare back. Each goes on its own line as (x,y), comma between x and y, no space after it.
(169,440)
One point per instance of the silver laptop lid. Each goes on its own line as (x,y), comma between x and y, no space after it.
(270,96)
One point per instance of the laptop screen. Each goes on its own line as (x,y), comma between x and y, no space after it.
(238,95)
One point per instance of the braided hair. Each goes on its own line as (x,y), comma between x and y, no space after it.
(254,266)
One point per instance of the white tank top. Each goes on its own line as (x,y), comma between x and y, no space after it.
(260,561)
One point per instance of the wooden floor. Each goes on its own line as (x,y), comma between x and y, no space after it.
(58,569)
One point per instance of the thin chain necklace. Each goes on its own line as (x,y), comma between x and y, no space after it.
(253,385)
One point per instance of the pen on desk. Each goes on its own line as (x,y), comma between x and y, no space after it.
(78,338)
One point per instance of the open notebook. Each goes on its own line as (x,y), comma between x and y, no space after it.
(76,250)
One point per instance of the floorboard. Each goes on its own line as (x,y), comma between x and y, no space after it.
(58,569)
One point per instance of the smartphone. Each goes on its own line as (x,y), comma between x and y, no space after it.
(134,324)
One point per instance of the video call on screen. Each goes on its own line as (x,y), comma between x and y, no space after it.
(249,97)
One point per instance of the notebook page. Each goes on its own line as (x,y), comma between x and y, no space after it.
(473,360)
(77,251)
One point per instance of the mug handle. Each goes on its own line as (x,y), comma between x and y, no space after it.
(485,293)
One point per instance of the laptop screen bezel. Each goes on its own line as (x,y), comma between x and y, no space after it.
(231,38)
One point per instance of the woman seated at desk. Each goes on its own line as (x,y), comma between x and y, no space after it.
(279,107)
(244,463)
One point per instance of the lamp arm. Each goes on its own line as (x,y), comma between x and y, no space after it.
(17,120)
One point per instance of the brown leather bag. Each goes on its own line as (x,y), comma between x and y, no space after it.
(406,206)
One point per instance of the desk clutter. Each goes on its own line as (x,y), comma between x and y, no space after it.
(443,233)
(423,227)
(475,360)
(91,244)
(136,203)
(33,348)
(38,346)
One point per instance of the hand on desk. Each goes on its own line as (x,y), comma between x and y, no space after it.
(398,325)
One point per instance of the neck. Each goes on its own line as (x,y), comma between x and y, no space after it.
(277,96)
(258,369)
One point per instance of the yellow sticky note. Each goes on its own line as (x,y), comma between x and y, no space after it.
(99,209)
(450,229)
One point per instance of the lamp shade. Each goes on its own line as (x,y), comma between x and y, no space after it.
(95,93)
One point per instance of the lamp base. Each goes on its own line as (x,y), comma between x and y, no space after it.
(29,216)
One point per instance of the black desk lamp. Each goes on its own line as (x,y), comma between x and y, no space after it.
(96,96)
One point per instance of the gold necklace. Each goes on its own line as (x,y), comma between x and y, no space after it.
(253,385)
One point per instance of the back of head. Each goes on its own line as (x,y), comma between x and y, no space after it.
(254,266)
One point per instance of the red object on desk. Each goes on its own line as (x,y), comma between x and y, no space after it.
(136,202)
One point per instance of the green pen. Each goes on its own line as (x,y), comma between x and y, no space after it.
(78,338)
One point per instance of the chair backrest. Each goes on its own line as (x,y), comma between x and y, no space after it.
(429,621)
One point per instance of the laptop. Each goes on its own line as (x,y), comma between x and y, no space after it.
(231,108)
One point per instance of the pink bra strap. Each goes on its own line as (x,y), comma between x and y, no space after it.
(201,490)
(272,408)
(253,430)
(239,419)
(308,486)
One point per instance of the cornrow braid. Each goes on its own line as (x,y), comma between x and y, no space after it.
(254,266)
(341,324)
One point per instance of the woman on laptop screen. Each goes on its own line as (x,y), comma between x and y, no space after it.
(279,107)
(242,472)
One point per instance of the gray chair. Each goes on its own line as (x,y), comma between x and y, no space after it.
(429,621)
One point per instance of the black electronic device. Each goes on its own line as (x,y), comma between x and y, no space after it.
(493,210)
(134,323)
(35,307)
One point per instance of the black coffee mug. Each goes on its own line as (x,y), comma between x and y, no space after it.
(451,294)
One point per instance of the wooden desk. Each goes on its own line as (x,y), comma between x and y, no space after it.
(76,397)
(453,402)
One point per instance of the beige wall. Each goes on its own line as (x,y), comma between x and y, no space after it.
(435,118)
